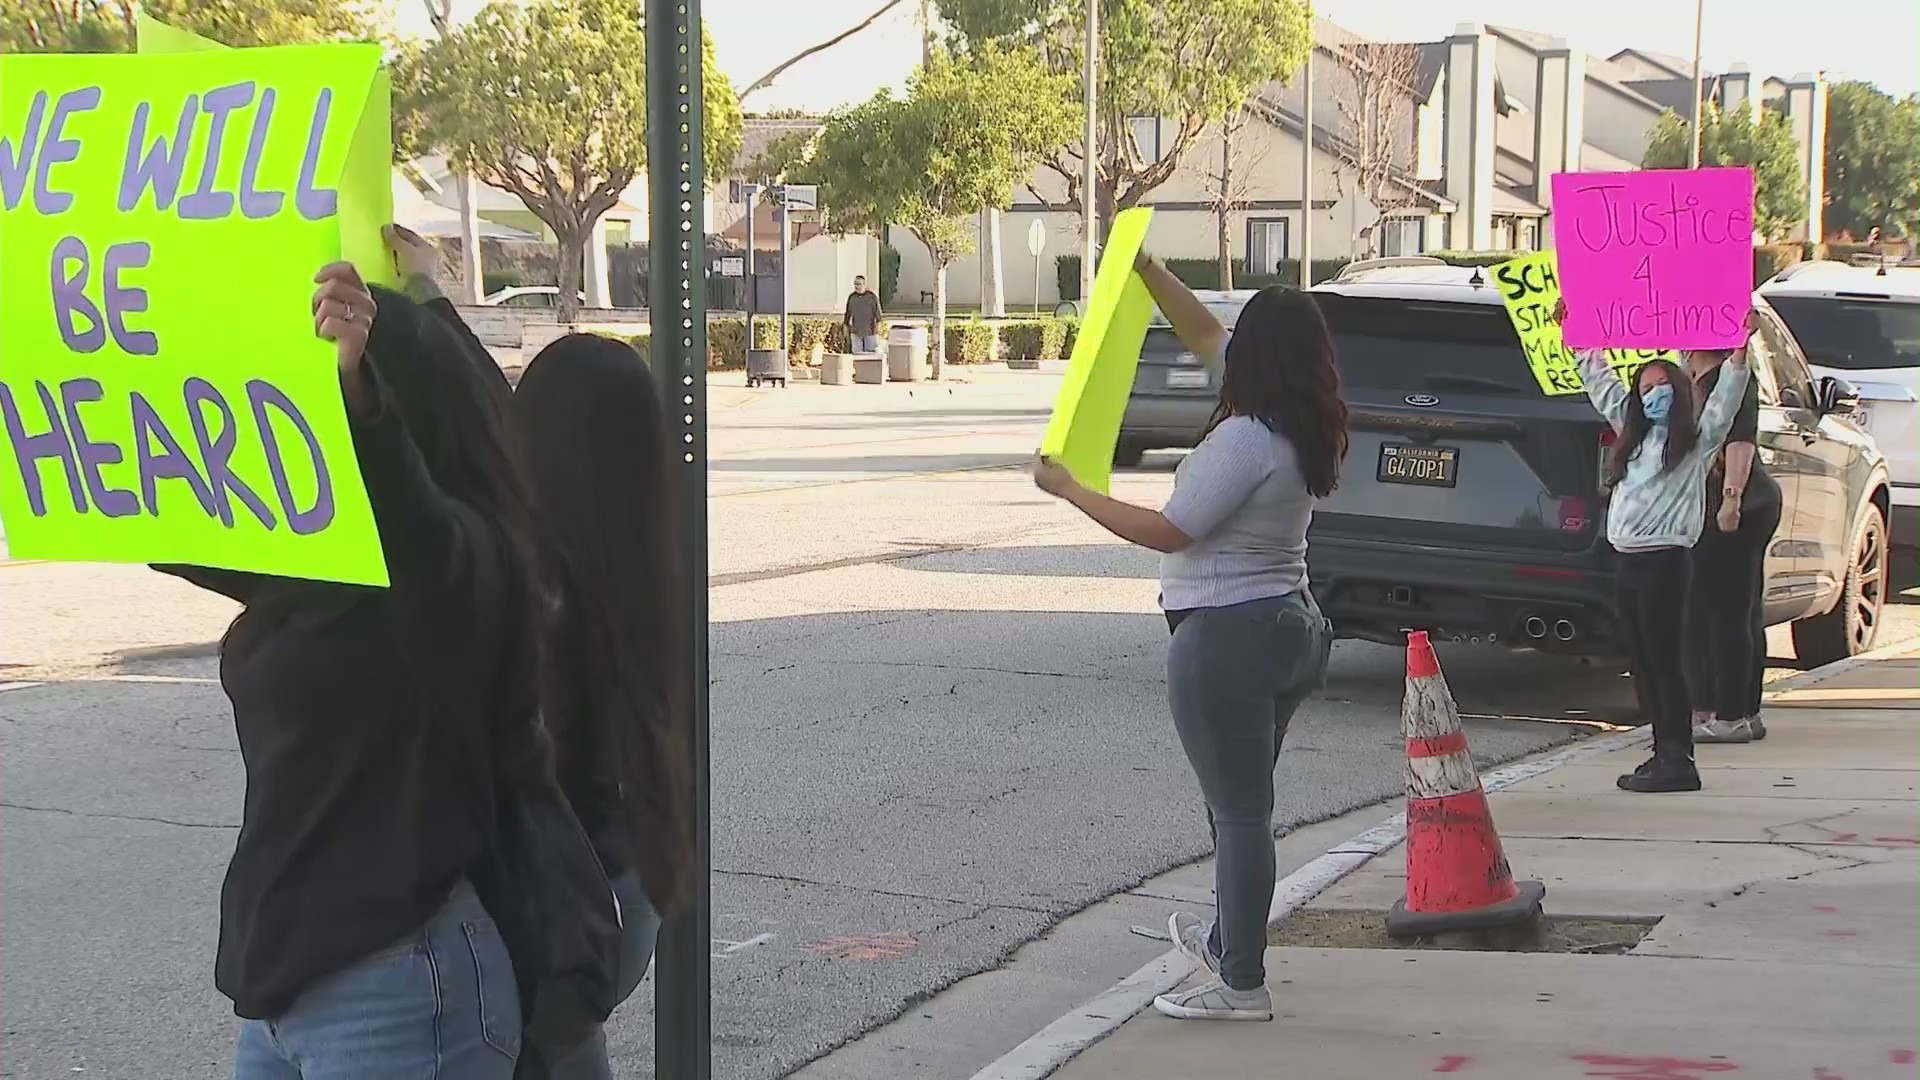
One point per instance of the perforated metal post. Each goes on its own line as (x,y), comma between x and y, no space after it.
(676,298)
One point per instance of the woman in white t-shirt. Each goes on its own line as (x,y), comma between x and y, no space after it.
(1249,643)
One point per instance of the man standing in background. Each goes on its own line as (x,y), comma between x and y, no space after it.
(863,319)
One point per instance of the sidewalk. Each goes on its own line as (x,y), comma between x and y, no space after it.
(1787,940)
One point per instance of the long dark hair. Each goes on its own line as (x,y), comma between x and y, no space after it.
(1683,428)
(1282,371)
(592,422)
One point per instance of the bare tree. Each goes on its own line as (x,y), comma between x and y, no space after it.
(1373,97)
(766,80)
(1227,187)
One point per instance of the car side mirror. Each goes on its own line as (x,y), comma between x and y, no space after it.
(1837,396)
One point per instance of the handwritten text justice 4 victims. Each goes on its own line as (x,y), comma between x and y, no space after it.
(156,165)
(1608,216)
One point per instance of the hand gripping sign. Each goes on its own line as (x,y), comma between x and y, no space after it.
(1657,259)
(161,218)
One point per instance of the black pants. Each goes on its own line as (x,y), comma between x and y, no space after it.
(1726,652)
(1652,597)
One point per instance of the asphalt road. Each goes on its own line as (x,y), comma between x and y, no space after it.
(938,726)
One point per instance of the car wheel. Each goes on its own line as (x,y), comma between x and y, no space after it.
(1127,455)
(1849,629)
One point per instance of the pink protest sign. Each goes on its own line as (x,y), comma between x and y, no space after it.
(1657,259)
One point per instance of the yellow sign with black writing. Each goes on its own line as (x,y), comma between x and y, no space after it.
(1530,285)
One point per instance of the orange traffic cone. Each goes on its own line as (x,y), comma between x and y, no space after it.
(1457,876)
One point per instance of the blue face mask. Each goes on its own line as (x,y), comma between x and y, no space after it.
(1656,403)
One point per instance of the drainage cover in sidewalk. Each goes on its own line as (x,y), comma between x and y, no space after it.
(1315,928)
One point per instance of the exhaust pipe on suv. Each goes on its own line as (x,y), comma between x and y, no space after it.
(1535,626)
(1564,630)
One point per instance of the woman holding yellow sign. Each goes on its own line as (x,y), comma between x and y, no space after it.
(1249,643)
(375,726)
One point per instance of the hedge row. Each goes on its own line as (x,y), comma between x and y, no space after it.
(1205,273)
(969,341)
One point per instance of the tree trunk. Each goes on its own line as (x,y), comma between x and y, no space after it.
(993,303)
(1223,208)
(937,348)
(573,249)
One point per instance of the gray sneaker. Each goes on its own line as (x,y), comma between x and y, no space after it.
(1190,934)
(1700,722)
(1758,725)
(1216,1000)
(1724,731)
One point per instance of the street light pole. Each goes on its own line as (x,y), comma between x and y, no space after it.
(1090,168)
(1306,171)
(1699,17)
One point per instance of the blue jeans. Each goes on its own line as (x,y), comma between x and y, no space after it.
(639,927)
(864,343)
(1235,675)
(439,1005)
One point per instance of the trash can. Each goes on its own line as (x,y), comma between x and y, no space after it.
(766,365)
(906,353)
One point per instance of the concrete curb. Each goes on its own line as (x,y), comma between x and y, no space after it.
(1066,1038)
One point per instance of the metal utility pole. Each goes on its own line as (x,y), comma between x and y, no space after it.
(472,287)
(1699,17)
(1090,171)
(1306,172)
(682,1017)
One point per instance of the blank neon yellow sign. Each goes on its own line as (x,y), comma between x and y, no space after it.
(1086,416)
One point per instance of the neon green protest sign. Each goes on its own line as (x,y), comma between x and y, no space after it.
(1085,424)
(161,218)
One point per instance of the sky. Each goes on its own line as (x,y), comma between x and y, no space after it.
(1875,40)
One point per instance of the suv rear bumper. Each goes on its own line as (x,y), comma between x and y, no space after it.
(1165,421)
(1377,591)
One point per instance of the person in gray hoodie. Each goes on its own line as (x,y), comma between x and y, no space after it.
(1656,474)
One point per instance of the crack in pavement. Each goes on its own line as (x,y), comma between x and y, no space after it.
(791,880)
(116,817)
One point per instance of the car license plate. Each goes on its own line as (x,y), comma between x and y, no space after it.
(1187,378)
(1427,466)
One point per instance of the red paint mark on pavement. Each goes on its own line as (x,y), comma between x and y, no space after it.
(1900,1057)
(1452,1063)
(1843,933)
(1844,837)
(1896,839)
(879,946)
(1652,1068)
(1828,908)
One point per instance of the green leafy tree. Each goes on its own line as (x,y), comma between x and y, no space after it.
(547,99)
(969,129)
(1191,63)
(1736,138)
(1873,160)
(108,25)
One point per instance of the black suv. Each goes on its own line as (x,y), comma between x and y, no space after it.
(1470,502)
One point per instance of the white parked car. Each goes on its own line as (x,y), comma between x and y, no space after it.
(1862,323)
(530,296)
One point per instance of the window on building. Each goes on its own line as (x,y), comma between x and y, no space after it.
(1530,235)
(1502,234)
(1267,244)
(1146,137)
(1403,236)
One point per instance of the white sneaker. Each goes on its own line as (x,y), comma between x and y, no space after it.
(1216,1000)
(1700,722)
(1724,731)
(1190,934)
